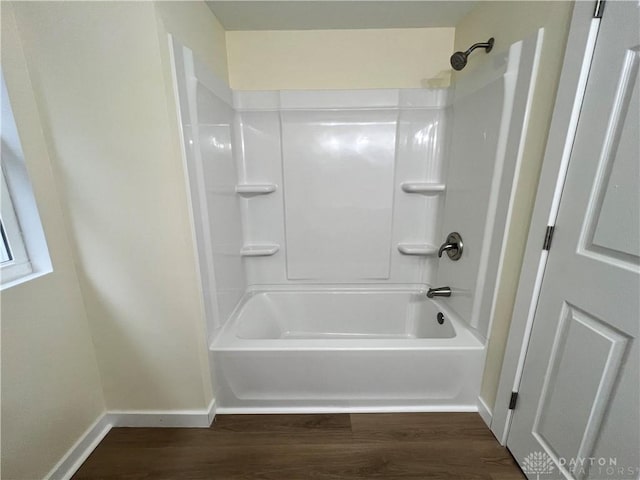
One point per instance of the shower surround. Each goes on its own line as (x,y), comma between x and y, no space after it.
(336,161)
(317,220)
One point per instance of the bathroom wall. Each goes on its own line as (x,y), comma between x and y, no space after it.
(339,59)
(509,22)
(338,165)
(94,103)
(51,391)
(99,78)
(193,24)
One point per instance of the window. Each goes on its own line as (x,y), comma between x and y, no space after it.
(15,261)
(5,250)
(23,249)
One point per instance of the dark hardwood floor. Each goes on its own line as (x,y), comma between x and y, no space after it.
(291,447)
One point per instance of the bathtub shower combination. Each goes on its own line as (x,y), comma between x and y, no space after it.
(349,241)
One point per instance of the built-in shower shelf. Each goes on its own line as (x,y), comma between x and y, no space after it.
(425,188)
(259,249)
(250,189)
(421,249)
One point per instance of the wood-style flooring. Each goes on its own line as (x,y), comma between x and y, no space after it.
(316,447)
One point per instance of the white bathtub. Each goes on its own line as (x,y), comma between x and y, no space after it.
(351,351)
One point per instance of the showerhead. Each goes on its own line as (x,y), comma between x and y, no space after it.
(459,59)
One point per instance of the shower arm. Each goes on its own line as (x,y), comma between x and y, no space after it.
(486,45)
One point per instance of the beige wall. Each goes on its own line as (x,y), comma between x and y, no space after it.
(509,22)
(51,389)
(100,83)
(118,324)
(196,27)
(339,59)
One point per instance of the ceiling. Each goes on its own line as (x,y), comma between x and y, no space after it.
(331,14)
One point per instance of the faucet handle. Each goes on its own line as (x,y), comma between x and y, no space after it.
(453,246)
(445,247)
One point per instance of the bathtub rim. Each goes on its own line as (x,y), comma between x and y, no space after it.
(224,338)
(322,409)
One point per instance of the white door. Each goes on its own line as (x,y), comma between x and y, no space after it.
(577,414)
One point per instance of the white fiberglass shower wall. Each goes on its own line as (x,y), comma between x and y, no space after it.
(332,161)
(206,119)
(318,216)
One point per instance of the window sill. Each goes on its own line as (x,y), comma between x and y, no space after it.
(23,279)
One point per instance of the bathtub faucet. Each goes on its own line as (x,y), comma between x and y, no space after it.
(439,292)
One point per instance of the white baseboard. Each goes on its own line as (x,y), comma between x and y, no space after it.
(311,410)
(485,412)
(161,418)
(80,451)
(89,440)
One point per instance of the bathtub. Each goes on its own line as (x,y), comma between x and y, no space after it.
(345,351)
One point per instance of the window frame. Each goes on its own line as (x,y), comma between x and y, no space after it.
(19,265)
(24,233)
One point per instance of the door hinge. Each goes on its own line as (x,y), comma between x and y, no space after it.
(548,236)
(513,400)
(597,12)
